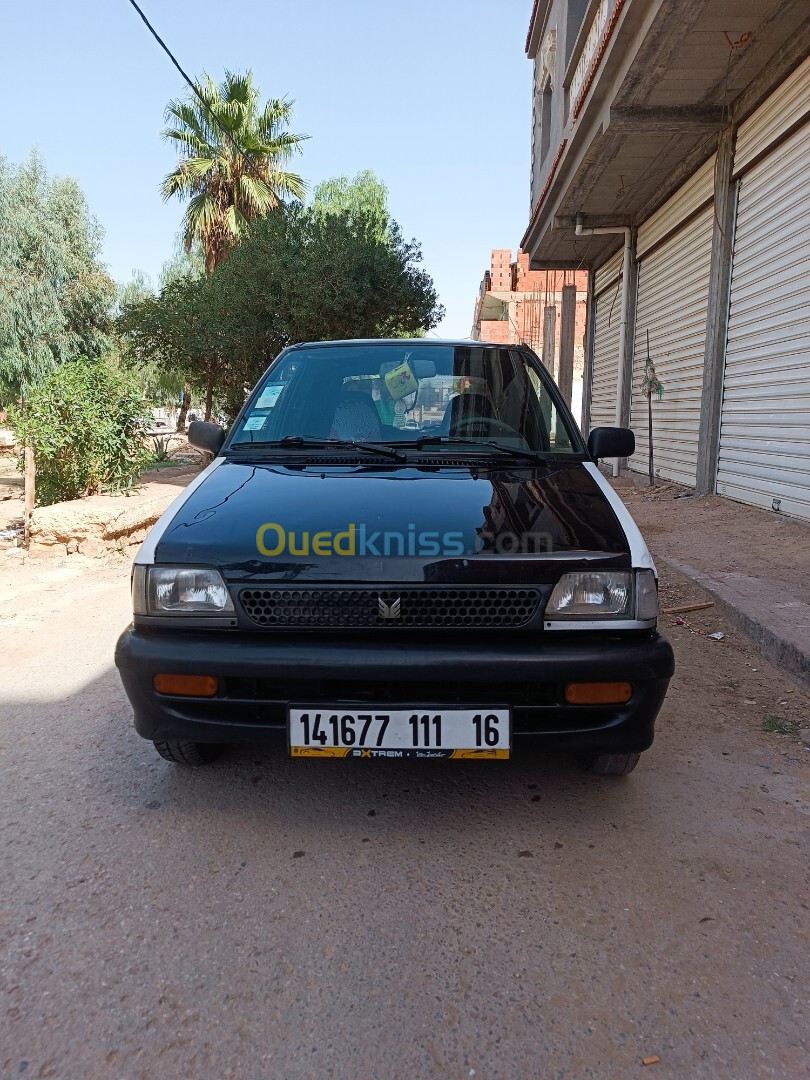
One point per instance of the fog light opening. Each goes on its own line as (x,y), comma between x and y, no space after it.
(186,685)
(598,693)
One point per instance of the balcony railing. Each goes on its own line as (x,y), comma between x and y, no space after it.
(590,49)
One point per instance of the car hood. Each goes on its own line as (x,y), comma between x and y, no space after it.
(260,521)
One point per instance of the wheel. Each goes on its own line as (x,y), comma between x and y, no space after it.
(188,753)
(613,764)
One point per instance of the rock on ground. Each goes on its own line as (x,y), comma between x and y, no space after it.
(94,525)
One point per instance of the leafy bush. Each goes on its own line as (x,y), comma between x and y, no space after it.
(81,422)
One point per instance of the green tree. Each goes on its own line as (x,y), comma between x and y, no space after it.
(162,384)
(181,338)
(185,265)
(233,154)
(130,292)
(300,274)
(363,200)
(55,295)
(81,422)
(303,275)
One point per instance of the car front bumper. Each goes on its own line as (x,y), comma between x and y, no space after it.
(262,674)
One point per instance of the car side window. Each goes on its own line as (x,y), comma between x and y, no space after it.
(556,433)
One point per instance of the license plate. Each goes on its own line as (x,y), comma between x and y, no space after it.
(417,731)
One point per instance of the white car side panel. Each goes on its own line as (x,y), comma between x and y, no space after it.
(146,552)
(639,555)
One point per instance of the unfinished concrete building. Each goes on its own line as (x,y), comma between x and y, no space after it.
(670,156)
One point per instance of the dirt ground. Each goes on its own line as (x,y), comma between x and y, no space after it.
(266,918)
(766,697)
(719,536)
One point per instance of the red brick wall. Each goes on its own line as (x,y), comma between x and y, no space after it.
(526,280)
(501,270)
(542,288)
(497,332)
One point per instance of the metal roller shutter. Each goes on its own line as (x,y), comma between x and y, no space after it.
(673,291)
(777,115)
(765,423)
(608,273)
(606,355)
(696,192)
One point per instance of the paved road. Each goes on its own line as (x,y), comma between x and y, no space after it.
(267,918)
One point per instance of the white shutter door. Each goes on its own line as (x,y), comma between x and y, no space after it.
(765,422)
(673,296)
(778,114)
(606,356)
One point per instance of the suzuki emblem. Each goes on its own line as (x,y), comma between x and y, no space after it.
(388,611)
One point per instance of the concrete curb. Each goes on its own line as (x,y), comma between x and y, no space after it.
(779,628)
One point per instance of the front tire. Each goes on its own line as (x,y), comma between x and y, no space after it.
(188,753)
(613,764)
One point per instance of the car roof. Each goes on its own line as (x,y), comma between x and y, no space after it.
(391,341)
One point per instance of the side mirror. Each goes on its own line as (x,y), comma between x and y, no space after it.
(207,437)
(605,442)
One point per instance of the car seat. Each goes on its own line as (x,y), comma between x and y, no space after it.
(356,418)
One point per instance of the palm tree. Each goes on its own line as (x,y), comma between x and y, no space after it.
(232,158)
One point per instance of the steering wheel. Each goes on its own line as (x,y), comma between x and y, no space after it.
(484,426)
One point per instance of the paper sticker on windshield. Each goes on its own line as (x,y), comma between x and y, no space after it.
(269,396)
(254,423)
(401,381)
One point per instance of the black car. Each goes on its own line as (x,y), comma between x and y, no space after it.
(401,549)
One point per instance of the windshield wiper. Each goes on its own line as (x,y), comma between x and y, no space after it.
(451,440)
(304,442)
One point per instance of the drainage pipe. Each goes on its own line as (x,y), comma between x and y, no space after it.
(625,311)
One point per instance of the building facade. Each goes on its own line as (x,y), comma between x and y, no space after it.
(544,309)
(671,156)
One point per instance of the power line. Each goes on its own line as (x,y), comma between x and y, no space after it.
(196,90)
(171,56)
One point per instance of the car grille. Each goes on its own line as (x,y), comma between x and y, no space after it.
(390,608)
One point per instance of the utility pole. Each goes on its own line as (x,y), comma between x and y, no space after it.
(29,491)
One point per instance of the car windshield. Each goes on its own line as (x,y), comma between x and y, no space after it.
(400,394)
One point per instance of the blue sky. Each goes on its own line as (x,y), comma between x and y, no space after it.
(433,95)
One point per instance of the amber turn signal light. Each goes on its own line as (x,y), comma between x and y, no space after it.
(186,685)
(598,693)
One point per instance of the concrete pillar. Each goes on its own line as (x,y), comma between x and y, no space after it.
(568,314)
(587,367)
(549,338)
(714,357)
(630,340)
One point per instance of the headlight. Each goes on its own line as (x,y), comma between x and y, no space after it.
(599,594)
(592,594)
(179,590)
